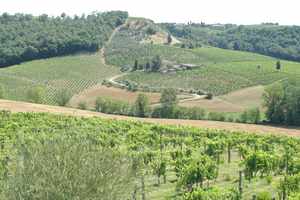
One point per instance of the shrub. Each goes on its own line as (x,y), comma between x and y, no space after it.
(264,196)
(106,105)
(215,116)
(269,179)
(133,87)
(252,116)
(82,105)
(63,97)
(35,95)
(209,96)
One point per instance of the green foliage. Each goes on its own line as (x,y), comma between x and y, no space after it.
(63,97)
(42,152)
(26,37)
(274,102)
(260,162)
(264,196)
(106,105)
(142,108)
(282,103)
(168,102)
(68,169)
(198,171)
(221,71)
(214,193)
(135,66)
(268,39)
(2,92)
(278,65)
(169,39)
(156,63)
(150,31)
(36,95)
(82,105)
(290,185)
(55,74)
(251,116)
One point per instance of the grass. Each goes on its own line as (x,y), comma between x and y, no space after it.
(75,73)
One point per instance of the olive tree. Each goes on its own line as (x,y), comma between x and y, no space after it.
(69,169)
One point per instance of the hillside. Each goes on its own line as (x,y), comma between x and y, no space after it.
(222,71)
(71,74)
(26,37)
(269,39)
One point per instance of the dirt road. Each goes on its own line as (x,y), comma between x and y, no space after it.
(14,106)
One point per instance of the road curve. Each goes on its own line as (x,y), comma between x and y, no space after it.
(15,106)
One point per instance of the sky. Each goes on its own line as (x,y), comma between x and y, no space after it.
(285,12)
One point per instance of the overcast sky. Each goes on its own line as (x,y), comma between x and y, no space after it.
(210,11)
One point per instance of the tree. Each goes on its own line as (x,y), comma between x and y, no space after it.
(63,96)
(147,67)
(168,102)
(69,168)
(135,66)
(278,65)
(142,106)
(156,63)
(169,39)
(273,98)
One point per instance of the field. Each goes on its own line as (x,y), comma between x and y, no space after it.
(73,73)
(90,95)
(224,153)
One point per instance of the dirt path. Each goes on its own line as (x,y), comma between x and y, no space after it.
(14,106)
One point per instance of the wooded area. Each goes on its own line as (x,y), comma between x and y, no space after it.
(24,37)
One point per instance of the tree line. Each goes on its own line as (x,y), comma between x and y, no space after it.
(25,37)
(268,39)
(282,102)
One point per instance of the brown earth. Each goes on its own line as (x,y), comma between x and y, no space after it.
(14,106)
(90,95)
(236,101)
(214,105)
(246,98)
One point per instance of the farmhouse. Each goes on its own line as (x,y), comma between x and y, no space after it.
(173,68)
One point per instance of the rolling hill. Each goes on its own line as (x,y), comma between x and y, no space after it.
(222,71)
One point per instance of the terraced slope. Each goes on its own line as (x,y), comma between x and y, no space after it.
(74,73)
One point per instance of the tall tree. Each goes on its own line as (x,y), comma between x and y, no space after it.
(278,65)
(156,63)
(142,106)
(168,102)
(274,102)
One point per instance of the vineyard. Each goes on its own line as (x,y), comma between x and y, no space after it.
(221,71)
(169,162)
(71,73)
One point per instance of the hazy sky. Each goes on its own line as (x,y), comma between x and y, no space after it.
(209,11)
